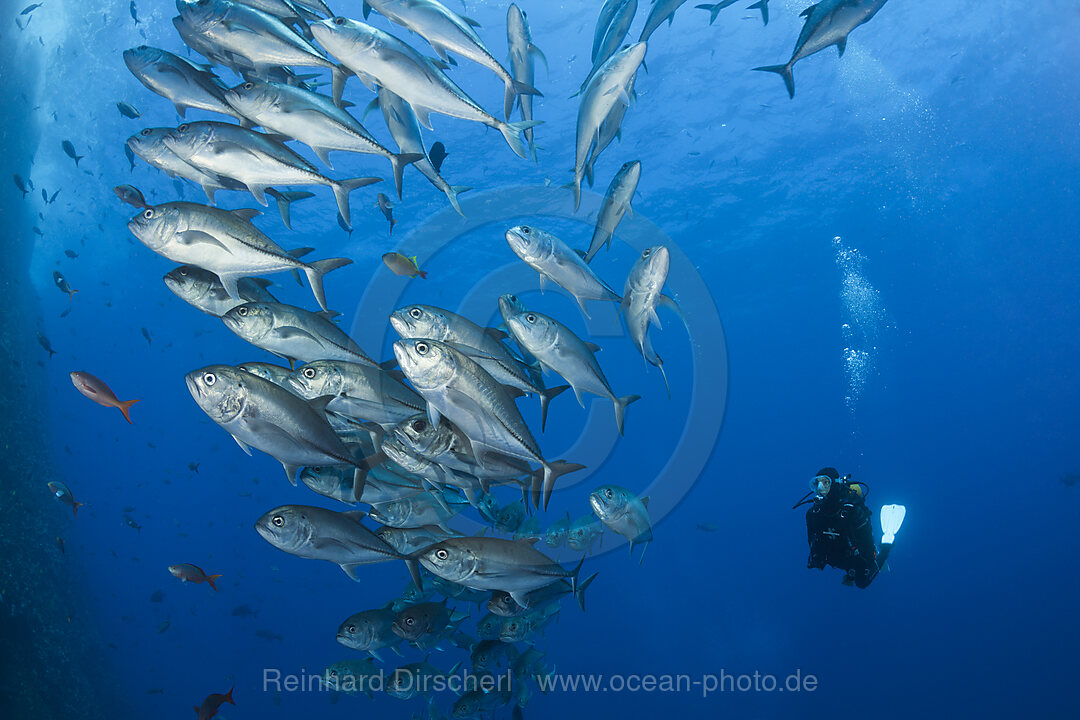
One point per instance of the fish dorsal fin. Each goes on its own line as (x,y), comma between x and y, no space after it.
(469,21)
(355,515)
(645,502)
(328,314)
(261,282)
(593,347)
(514,392)
(581,254)
(806,13)
(493,333)
(529,540)
(246,213)
(300,251)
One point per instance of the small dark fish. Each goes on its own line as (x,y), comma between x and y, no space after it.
(157,596)
(130,522)
(193,467)
(268,635)
(37,231)
(71,254)
(437,155)
(62,284)
(244,611)
(67,310)
(128,509)
(155,691)
(387,210)
(213,701)
(708,527)
(52,198)
(128,110)
(44,341)
(44,196)
(163,626)
(146,334)
(131,195)
(1071,479)
(21,184)
(60,544)
(130,156)
(135,17)
(31,8)
(69,150)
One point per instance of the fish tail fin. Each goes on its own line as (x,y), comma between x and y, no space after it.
(763,6)
(511,132)
(513,89)
(75,508)
(553,472)
(71,294)
(399,162)
(545,399)
(713,9)
(783,71)
(660,366)
(210,581)
(342,189)
(77,159)
(422,274)
(125,408)
(579,589)
(452,192)
(620,409)
(228,696)
(315,272)
(284,202)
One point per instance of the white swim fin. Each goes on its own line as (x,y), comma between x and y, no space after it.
(892,517)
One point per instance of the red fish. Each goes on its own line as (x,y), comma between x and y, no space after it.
(193,573)
(100,393)
(210,705)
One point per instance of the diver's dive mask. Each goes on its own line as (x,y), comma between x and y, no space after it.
(821,485)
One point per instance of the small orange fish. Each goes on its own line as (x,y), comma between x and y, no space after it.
(210,705)
(100,393)
(404,266)
(193,573)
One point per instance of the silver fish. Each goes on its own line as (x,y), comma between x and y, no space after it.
(258,413)
(469,397)
(613,38)
(312,119)
(359,391)
(625,513)
(661,10)
(223,242)
(338,537)
(181,82)
(202,290)
(405,129)
(488,563)
(558,349)
(254,159)
(609,86)
(522,53)
(642,294)
(268,371)
(408,540)
(417,511)
(556,261)
(827,23)
(369,631)
(616,204)
(294,333)
(380,59)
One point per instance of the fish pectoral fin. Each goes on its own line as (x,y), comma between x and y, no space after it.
(654,319)
(353,571)
(198,237)
(433,414)
(841,45)
(233,25)
(291,472)
(243,446)
(666,301)
(423,116)
(319,404)
(290,332)
(495,333)
(593,347)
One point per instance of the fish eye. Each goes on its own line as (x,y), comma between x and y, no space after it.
(647,253)
(148,213)
(209,378)
(512,298)
(242,311)
(419,425)
(333,673)
(278,520)
(339,20)
(249,86)
(351,628)
(422,348)
(141,47)
(145,132)
(409,621)
(526,230)
(183,273)
(416,313)
(442,554)
(530,318)
(183,128)
(309,373)
(609,493)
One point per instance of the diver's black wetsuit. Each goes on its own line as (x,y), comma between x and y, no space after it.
(839,531)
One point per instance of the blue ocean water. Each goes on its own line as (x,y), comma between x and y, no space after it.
(878,275)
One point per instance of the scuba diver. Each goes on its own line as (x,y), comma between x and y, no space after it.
(839,531)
